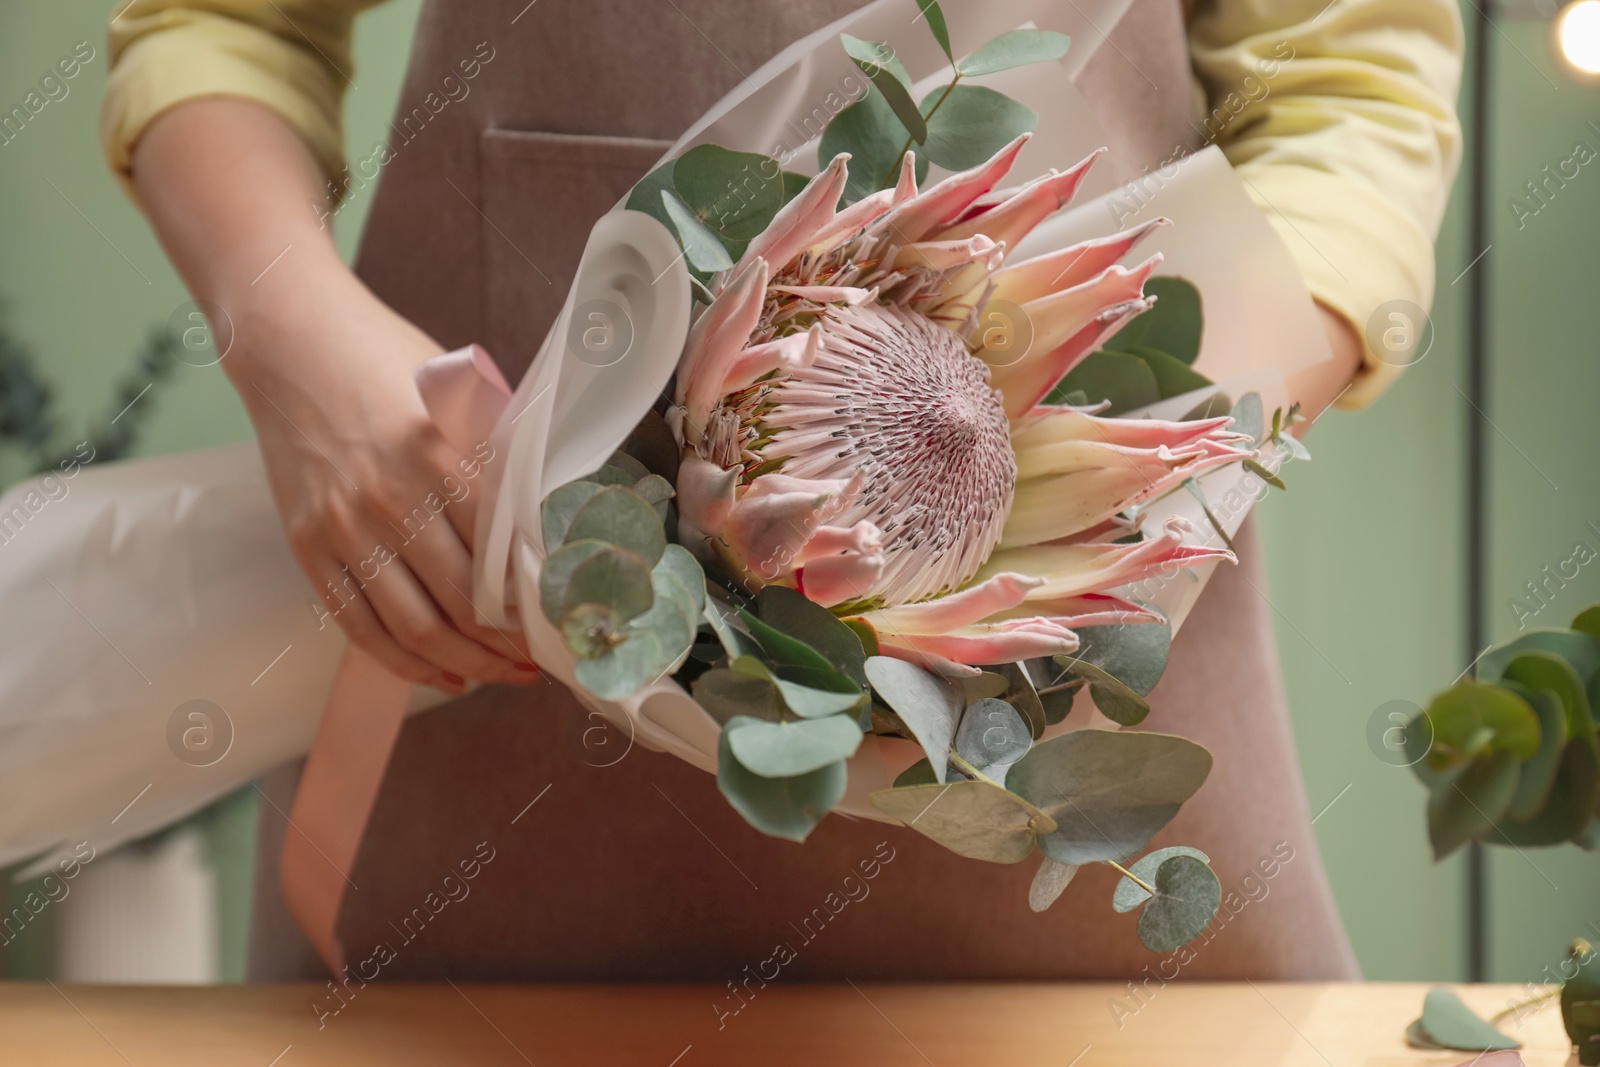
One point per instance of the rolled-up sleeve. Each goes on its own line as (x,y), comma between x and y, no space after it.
(1340,118)
(292,56)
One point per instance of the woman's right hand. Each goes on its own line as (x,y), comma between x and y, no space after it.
(377,505)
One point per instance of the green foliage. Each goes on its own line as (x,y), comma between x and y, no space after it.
(1121,664)
(1448,1023)
(1150,359)
(1580,999)
(1512,757)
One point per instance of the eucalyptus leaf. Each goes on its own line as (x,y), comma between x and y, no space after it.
(1110,791)
(1187,895)
(1469,803)
(1173,376)
(1212,406)
(1537,774)
(1127,381)
(789,808)
(727,694)
(631,467)
(1129,894)
(971,124)
(1471,714)
(645,196)
(1021,694)
(626,669)
(1133,653)
(919,773)
(734,194)
(1264,474)
(1449,1023)
(1173,325)
(680,564)
(1048,882)
(870,133)
(936,25)
(701,246)
(557,572)
(865,634)
(808,701)
(805,620)
(972,819)
(992,736)
(555,515)
(1248,417)
(736,641)
(983,685)
(1579,649)
(930,706)
(623,518)
(1115,700)
(1568,810)
(613,578)
(1014,48)
(780,647)
(877,62)
(591,630)
(787,749)
(1537,669)
(1588,621)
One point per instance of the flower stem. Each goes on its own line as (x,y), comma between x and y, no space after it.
(888,179)
(1134,878)
(960,764)
(1512,1009)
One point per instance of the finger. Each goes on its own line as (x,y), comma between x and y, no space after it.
(415,622)
(443,564)
(355,617)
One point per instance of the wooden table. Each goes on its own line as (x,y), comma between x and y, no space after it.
(1180,1025)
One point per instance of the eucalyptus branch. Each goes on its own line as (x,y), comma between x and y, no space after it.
(1134,878)
(895,166)
(961,764)
(1513,1009)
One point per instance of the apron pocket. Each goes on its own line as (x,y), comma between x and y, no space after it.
(542,192)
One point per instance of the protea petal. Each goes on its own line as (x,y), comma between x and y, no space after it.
(1032,377)
(801,222)
(1076,612)
(949,255)
(788,354)
(1014,218)
(939,203)
(827,294)
(769,525)
(997,642)
(840,565)
(971,605)
(1040,276)
(1076,570)
(715,343)
(705,496)
(1057,318)
(1045,427)
(863,212)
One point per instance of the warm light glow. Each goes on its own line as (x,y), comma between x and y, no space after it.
(1579,32)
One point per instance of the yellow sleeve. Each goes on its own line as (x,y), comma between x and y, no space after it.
(1339,116)
(292,56)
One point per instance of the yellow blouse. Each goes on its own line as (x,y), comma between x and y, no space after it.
(1338,114)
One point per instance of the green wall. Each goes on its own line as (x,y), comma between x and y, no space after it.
(1365,553)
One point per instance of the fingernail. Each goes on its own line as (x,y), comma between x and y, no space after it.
(455,680)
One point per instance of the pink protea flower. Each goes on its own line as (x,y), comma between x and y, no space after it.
(850,433)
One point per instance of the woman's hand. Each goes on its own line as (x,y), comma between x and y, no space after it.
(377,505)
(1318,386)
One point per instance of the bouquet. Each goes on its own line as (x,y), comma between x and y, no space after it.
(885,498)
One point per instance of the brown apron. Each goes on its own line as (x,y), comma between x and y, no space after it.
(593,858)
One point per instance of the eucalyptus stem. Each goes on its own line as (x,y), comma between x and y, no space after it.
(1512,1009)
(895,166)
(960,764)
(1134,878)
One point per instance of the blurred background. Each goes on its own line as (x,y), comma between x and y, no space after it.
(1396,557)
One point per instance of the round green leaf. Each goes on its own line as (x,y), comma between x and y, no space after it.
(1451,1024)
(1127,381)
(1472,715)
(781,648)
(1187,895)
(621,517)
(1467,805)
(1173,325)
(1048,882)
(557,572)
(727,694)
(1580,650)
(780,807)
(1538,773)
(558,509)
(625,670)
(1014,48)
(1588,621)
(1135,654)
(833,693)
(787,749)
(971,125)
(1128,894)
(919,773)
(1021,694)
(1537,669)
(992,735)
(805,620)
(930,706)
(873,137)
(878,62)
(972,819)
(591,630)
(734,194)
(614,578)
(1567,811)
(1109,790)
(702,247)
(678,564)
